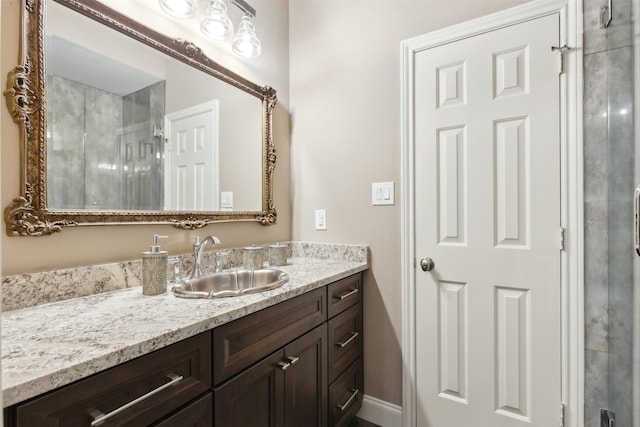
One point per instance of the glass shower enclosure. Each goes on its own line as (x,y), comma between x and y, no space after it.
(611,175)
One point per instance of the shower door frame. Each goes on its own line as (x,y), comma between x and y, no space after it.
(572,201)
(635,9)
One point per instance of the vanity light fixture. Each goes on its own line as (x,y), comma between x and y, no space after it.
(245,42)
(216,24)
(180,9)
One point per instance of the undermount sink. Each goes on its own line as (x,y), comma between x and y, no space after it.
(230,283)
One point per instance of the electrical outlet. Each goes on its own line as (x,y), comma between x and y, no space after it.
(321,219)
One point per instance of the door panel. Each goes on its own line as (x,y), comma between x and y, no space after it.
(191,159)
(487,179)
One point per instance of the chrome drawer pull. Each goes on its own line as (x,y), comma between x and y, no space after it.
(99,417)
(351,338)
(348,402)
(284,365)
(348,294)
(291,361)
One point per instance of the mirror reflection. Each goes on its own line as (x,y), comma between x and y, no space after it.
(129,128)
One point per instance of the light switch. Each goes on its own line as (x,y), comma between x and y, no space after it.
(321,219)
(382,193)
(226,200)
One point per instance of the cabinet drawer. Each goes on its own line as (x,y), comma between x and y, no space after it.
(160,382)
(345,340)
(344,293)
(345,395)
(241,343)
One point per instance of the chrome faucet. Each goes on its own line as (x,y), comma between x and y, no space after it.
(198,249)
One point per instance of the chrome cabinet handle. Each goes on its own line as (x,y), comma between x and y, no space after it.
(284,365)
(636,219)
(348,294)
(350,400)
(427,264)
(351,338)
(99,417)
(290,361)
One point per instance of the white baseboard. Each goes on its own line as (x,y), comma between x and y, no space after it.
(379,412)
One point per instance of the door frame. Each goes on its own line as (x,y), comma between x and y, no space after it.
(572,195)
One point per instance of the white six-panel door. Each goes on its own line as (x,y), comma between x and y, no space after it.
(191,163)
(487,212)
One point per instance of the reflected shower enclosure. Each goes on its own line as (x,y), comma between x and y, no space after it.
(90,166)
(105,139)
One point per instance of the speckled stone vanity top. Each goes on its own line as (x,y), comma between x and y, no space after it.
(50,345)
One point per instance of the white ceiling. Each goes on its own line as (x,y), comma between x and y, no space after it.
(73,62)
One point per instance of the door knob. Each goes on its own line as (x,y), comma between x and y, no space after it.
(427,264)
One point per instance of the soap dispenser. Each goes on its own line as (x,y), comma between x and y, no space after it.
(154,269)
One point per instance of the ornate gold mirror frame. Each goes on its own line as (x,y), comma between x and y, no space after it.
(28,214)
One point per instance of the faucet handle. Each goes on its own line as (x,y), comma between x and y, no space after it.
(175,261)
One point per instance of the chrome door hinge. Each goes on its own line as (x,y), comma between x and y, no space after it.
(562,50)
(562,408)
(561,238)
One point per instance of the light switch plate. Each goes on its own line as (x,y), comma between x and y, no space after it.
(226,200)
(382,193)
(321,219)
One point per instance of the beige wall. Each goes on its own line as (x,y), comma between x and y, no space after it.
(342,69)
(345,117)
(100,244)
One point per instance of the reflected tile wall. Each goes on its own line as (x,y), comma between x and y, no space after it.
(88,130)
(608,192)
(65,140)
(81,146)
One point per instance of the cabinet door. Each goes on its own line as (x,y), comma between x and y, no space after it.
(197,414)
(305,380)
(253,398)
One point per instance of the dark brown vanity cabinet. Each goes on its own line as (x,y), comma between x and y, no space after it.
(295,364)
(281,354)
(288,388)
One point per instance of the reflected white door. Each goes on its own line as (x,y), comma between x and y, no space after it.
(191,161)
(487,179)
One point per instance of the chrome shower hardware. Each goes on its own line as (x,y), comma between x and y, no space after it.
(636,220)
(606,14)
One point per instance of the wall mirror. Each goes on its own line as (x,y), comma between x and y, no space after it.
(121,124)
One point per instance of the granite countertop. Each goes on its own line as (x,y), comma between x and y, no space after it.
(51,345)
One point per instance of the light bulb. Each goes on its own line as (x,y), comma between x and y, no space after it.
(216,25)
(180,9)
(246,42)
